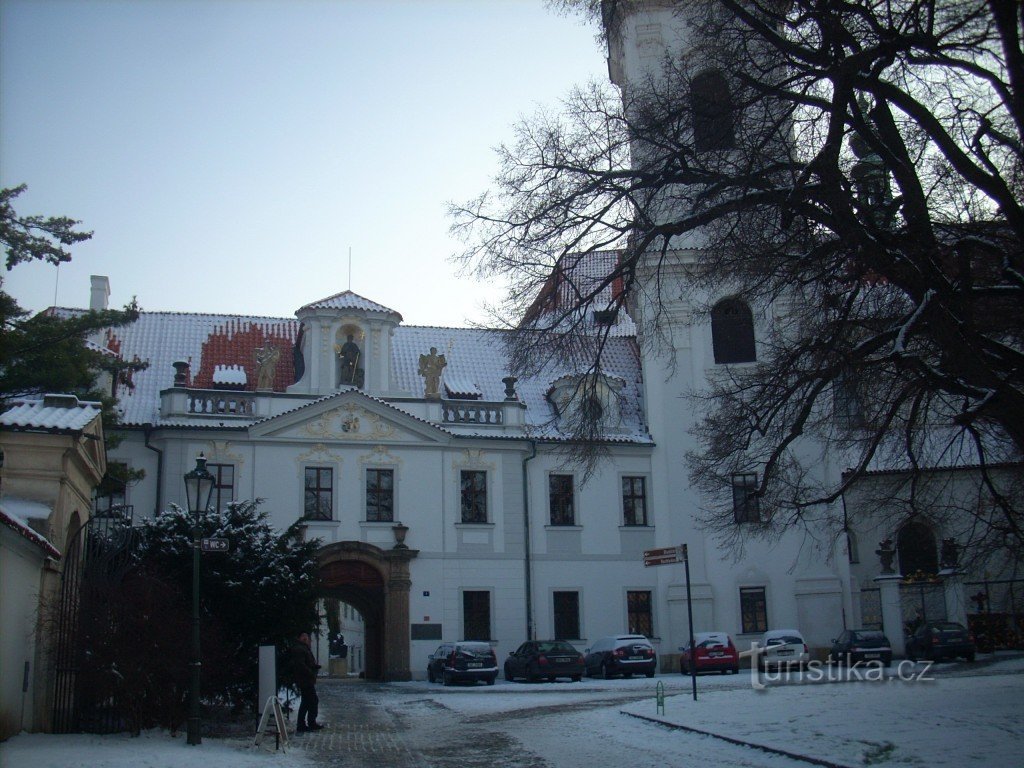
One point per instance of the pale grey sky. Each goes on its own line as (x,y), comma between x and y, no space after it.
(228,153)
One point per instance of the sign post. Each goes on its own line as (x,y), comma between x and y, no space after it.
(665,556)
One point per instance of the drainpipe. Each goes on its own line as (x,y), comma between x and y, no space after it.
(526,541)
(147,430)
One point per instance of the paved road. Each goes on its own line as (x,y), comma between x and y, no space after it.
(375,726)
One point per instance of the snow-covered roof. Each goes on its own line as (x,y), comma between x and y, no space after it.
(229,374)
(57,413)
(15,514)
(350,300)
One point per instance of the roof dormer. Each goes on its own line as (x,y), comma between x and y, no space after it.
(344,341)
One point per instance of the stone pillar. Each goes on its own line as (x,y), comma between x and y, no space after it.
(397,641)
(892,610)
(956,595)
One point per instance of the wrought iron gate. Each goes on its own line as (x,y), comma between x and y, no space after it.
(96,560)
(996,613)
(871,608)
(922,601)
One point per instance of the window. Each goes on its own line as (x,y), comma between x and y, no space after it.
(560,499)
(846,401)
(638,614)
(474,500)
(223,485)
(852,546)
(712,112)
(110,497)
(634,500)
(746,506)
(732,332)
(567,615)
(476,615)
(753,609)
(380,495)
(319,499)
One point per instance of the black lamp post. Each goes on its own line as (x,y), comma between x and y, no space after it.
(198,489)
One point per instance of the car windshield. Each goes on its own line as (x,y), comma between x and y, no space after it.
(555,647)
(949,626)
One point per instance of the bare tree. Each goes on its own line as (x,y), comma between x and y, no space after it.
(853,171)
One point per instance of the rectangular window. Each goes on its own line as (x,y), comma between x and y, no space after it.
(634,500)
(223,485)
(474,498)
(560,500)
(319,499)
(567,615)
(110,496)
(753,609)
(380,495)
(476,615)
(846,402)
(639,613)
(746,507)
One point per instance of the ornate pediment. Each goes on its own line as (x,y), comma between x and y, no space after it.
(351,422)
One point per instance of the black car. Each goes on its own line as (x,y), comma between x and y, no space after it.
(465,661)
(861,645)
(624,655)
(941,640)
(544,659)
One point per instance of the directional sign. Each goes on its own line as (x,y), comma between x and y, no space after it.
(216,545)
(662,556)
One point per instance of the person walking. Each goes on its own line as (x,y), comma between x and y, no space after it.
(304,668)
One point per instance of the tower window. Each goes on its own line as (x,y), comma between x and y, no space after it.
(732,332)
(712,112)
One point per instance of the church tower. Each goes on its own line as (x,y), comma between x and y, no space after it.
(661,53)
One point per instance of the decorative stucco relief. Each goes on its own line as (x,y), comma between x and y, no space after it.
(318,454)
(350,422)
(379,455)
(219,452)
(472,458)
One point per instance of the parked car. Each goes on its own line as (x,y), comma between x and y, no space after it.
(861,645)
(547,659)
(464,661)
(625,655)
(783,647)
(941,640)
(715,652)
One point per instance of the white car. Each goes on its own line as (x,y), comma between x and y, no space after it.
(782,647)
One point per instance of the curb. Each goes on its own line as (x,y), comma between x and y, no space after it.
(739,742)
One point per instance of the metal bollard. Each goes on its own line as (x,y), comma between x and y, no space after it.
(659,697)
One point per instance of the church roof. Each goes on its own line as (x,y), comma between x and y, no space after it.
(477,361)
(350,300)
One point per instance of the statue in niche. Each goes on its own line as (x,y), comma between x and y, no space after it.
(266,365)
(430,369)
(349,356)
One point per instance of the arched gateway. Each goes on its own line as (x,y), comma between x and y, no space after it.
(376,582)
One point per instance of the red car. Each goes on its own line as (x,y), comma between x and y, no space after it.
(715,652)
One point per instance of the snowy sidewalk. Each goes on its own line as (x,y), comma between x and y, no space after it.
(949,722)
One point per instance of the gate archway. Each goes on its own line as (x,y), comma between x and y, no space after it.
(376,582)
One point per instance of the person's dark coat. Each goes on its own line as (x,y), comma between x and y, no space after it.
(303,665)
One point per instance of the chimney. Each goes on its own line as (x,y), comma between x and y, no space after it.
(100,292)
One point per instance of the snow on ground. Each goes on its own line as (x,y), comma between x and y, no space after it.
(966,715)
(153,749)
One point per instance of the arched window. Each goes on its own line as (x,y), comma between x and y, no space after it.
(916,546)
(712,112)
(732,332)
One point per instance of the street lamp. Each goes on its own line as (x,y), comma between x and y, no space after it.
(198,489)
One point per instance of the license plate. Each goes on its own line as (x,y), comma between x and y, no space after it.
(716,654)
(784,653)
(636,658)
(474,664)
(872,655)
(560,659)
